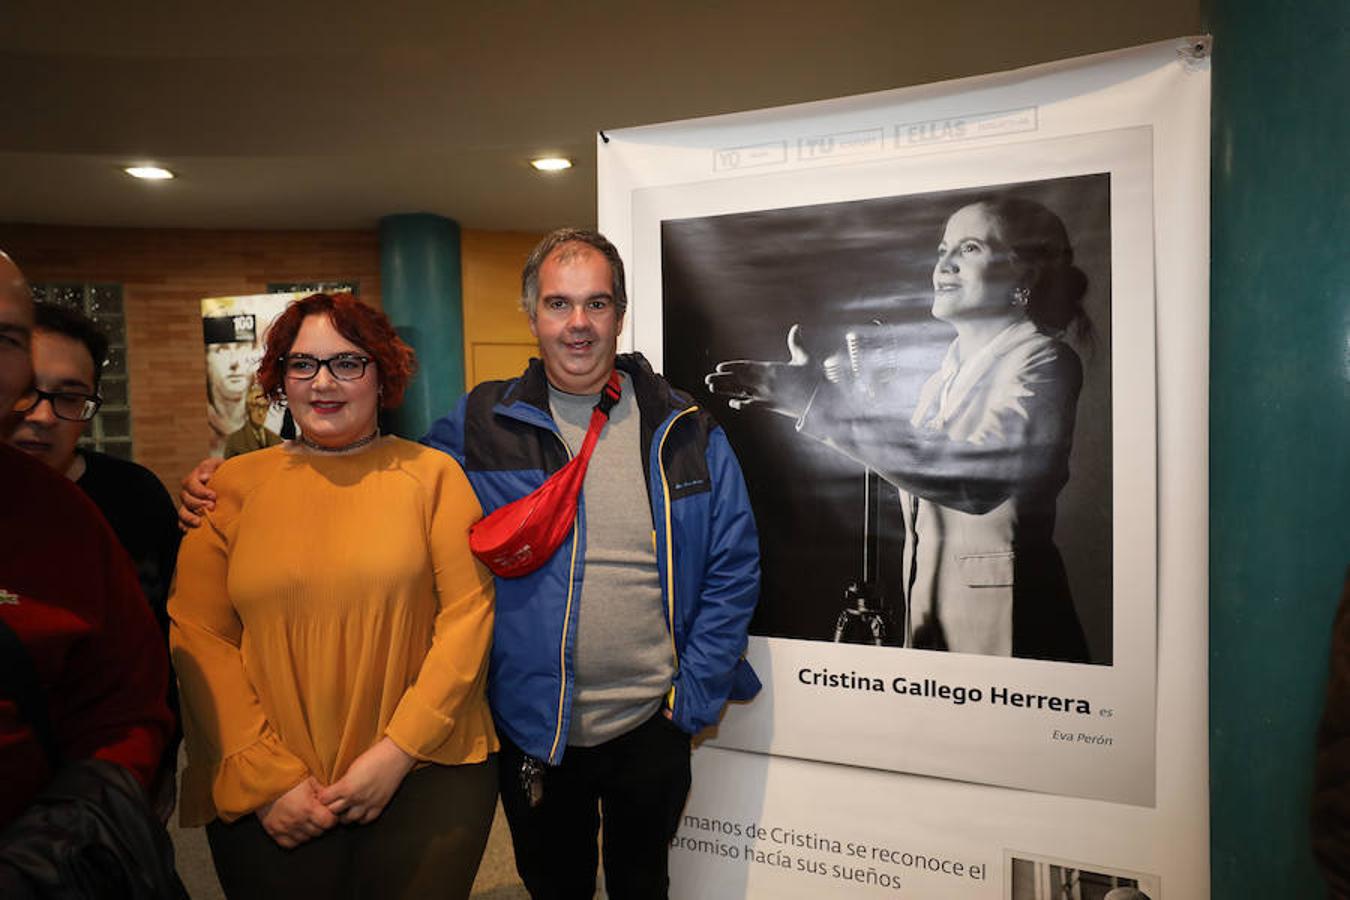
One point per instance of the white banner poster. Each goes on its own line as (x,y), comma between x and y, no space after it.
(956,335)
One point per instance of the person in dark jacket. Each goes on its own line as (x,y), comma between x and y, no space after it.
(68,352)
(70,595)
(83,719)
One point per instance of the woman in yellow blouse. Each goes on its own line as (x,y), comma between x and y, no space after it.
(330,633)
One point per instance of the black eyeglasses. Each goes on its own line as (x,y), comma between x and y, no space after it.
(69,405)
(343,367)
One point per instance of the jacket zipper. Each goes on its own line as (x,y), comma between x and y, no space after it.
(567,618)
(670,545)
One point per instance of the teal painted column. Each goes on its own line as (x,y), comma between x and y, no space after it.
(422,294)
(1279,425)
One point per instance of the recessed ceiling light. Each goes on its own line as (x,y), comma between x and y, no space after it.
(551,164)
(149,173)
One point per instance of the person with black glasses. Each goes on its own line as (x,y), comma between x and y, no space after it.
(68,355)
(330,634)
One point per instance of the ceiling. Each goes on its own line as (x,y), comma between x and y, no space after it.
(333,114)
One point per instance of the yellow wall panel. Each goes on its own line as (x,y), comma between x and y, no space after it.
(493,362)
(497,339)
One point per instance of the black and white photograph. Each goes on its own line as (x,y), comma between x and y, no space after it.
(1042,879)
(918,388)
(937,372)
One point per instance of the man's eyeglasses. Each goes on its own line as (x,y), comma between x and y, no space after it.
(343,367)
(69,405)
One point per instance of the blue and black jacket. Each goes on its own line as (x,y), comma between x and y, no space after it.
(707,552)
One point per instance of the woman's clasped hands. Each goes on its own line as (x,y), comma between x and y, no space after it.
(360,795)
(357,798)
(297,815)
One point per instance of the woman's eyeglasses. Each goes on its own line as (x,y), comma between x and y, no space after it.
(343,367)
(69,405)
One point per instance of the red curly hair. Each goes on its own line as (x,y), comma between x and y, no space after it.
(364,326)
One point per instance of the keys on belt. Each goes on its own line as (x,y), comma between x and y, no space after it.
(532,781)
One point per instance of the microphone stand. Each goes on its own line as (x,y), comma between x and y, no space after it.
(864,619)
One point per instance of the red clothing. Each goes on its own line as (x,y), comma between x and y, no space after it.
(69,591)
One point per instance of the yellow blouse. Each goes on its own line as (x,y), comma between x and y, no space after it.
(328,601)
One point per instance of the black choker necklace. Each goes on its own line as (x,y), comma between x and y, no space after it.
(354,445)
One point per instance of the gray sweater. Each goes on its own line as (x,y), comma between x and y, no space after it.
(625,658)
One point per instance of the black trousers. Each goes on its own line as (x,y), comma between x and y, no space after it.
(637,782)
(427,843)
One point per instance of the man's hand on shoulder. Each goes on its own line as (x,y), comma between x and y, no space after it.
(195,499)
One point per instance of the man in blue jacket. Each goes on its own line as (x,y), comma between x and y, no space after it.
(629,639)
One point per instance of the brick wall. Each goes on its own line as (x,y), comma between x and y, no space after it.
(164,273)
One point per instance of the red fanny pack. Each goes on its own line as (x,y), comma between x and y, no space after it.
(521,536)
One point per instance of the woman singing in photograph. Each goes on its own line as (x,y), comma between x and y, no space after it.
(330,634)
(983,456)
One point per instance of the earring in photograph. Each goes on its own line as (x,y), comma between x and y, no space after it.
(1021,297)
